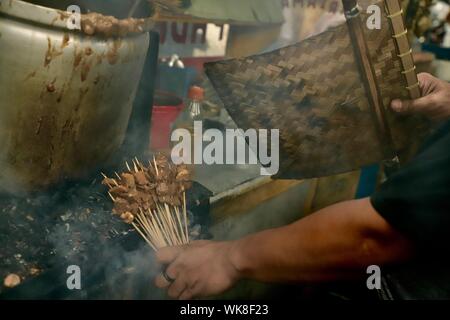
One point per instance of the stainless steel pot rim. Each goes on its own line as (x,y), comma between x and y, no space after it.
(51,17)
(35,13)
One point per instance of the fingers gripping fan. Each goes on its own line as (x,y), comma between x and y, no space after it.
(329,95)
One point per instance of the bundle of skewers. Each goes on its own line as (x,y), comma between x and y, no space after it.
(152,198)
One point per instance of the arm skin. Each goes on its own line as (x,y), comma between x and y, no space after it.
(336,243)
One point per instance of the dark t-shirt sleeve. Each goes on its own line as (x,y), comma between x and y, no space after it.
(416,199)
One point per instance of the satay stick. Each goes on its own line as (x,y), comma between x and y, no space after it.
(155,224)
(112,198)
(169,224)
(135,166)
(150,227)
(106,179)
(173,224)
(181,225)
(156,166)
(145,226)
(163,229)
(185,216)
(143,236)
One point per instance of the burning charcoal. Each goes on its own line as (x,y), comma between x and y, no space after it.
(12,280)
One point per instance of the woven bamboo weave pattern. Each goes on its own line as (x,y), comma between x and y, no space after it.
(313,93)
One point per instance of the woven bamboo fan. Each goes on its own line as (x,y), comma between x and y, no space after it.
(329,95)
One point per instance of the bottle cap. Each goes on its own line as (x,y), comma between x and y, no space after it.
(196,93)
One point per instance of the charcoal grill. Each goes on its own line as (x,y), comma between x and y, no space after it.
(116,265)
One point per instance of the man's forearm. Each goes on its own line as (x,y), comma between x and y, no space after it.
(338,242)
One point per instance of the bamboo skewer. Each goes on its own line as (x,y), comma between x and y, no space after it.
(161,227)
(180,224)
(135,166)
(128,166)
(143,236)
(185,216)
(169,223)
(175,227)
(156,166)
(112,198)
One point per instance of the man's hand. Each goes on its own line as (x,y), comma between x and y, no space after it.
(435,101)
(201,269)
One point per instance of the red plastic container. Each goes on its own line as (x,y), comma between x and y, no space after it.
(166,109)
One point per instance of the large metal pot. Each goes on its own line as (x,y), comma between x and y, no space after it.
(65,98)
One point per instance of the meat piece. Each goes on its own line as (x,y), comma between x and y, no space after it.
(174,201)
(128,180)
(127,217)
(143,196)
(186,185)
(183,174)
(108,182)
(174,188)
(164,199)
(118,191)
(150,205)
(120,206)
(140,178)
(12,280)
(155,197)
(134,208)
(164,174)
(145,188)
(162,161)
(162,189)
